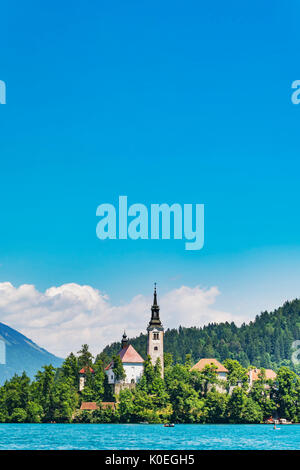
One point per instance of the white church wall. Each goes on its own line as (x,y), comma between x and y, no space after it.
(110,376)
(133,371)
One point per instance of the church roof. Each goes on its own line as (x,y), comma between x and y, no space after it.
(128,355)
(208,362)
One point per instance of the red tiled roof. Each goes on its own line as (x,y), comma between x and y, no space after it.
(89,405)
(108,404)
(270,374)
(83,370)
(208,362)
(128,355)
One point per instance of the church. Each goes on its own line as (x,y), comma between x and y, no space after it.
(132,362)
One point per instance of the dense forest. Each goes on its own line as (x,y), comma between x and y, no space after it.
(184,395)
(265,342)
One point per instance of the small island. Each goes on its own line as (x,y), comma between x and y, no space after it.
(126,388)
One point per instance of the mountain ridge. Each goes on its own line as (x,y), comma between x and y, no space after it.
(22,354)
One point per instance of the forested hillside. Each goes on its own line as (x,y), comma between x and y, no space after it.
(264,342)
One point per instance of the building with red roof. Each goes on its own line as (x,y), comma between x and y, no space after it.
(85,369)
(220,369)
(210,362)
(89,406)
(254,374)
(132,362)
(82,376)
(92,405)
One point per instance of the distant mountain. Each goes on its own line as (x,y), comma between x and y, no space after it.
(22,354)
(264,342)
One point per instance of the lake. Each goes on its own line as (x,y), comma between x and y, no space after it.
(147,436)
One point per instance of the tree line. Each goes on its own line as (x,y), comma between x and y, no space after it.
(183,396)
(265,342)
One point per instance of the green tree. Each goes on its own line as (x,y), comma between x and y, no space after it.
(188,361)
(118,368)
(85,358)
(168,360)
(216,407)
(242,409)
(65,401)
(237,375)
(34,412)
(187,407)
(108,390)
(260,393)
(208,378)
(19,415)
(126,406)
(99,377)
(45,391)
(148,372)
(286,393)
(70,369)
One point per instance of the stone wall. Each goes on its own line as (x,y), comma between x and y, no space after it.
(120,386)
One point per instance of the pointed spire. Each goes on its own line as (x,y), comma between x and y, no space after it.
(155,320)
(124,340)
(155,296)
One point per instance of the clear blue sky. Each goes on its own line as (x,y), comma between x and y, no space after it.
(168,101)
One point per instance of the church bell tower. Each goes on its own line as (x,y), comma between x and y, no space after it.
(155,342)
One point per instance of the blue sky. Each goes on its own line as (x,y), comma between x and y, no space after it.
(184,102)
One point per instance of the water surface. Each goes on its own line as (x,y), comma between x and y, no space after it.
(151,436)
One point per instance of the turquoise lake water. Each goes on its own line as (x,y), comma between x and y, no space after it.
(139,436)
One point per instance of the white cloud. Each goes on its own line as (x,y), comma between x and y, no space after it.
(62,318)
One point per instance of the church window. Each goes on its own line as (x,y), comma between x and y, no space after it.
(155,335)
(155,348)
